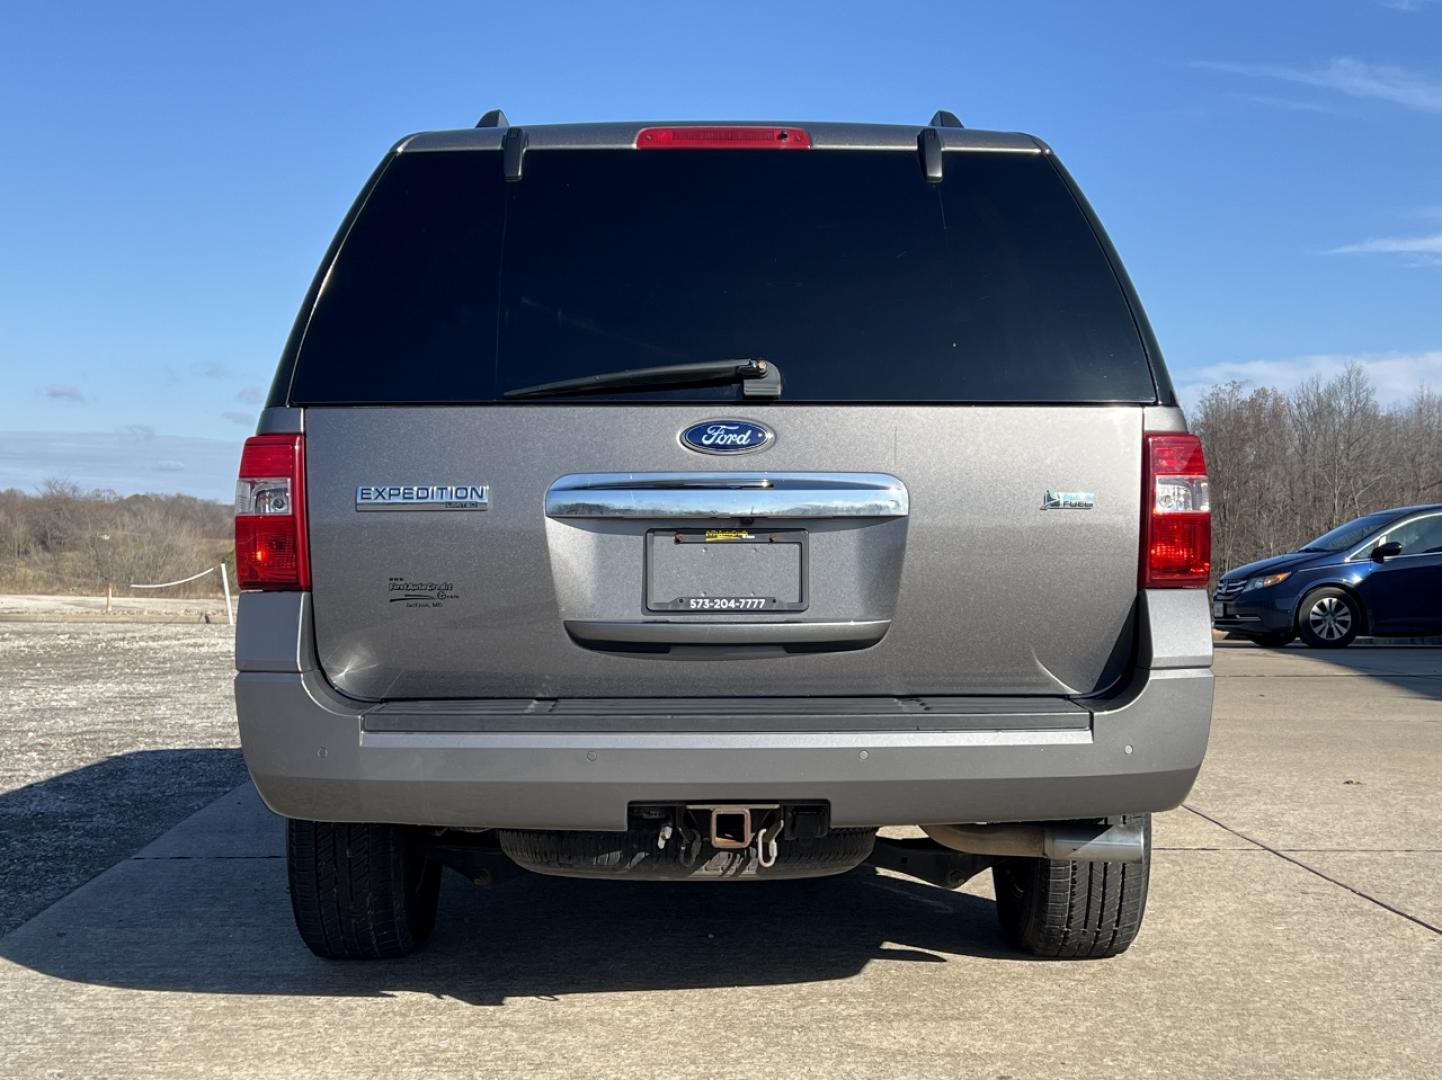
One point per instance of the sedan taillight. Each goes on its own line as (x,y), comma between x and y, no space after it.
(1176,512)
(270,531)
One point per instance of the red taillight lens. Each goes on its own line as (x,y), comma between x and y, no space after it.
(270,533)
(1176,513)
(723,138)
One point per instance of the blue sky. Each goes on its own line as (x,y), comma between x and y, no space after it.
(172,173)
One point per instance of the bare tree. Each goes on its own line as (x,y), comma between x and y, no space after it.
(1413,447)
(65,539)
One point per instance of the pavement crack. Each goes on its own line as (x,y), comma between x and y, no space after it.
(1364,850)
(1158,847)
(199,858)
(1314,871)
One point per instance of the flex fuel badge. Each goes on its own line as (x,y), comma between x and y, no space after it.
(1068,500)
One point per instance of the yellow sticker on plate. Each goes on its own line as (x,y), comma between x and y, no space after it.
(713,535)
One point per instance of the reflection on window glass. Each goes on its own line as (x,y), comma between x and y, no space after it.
(1418,537)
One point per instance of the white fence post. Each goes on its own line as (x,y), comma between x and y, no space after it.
(225,584)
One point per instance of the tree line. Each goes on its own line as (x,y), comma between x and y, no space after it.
(1287,466)
(63,539)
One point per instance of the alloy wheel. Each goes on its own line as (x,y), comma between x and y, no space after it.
(1330,618)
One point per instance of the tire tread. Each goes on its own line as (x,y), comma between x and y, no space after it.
(359,891)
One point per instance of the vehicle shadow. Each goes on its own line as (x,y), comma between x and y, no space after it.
(58,833)
(177,921)
(1415,669)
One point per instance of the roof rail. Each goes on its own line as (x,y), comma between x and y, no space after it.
(945,119)
(497,119)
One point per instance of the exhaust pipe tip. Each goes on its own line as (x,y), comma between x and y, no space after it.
(1070,841)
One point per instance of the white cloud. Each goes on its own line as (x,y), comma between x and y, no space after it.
(1406,5)
(1293,105)
(244,419)
(1428,247)
(1355,78)
(64,392)
(1395,375)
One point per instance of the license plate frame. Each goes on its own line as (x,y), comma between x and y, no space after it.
(722,603)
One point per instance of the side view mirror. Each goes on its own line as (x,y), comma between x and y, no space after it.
(1383,552)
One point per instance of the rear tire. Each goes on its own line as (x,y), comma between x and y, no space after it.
(1074,910)
(1329,618)
(360,892)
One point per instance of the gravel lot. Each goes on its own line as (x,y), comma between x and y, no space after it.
(109,735)
(129,607)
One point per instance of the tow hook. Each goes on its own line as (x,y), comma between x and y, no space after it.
(767,842)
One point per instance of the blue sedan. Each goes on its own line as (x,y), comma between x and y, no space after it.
(1380,574)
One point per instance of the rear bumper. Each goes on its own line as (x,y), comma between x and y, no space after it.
(313,755)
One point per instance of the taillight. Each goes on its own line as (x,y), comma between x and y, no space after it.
(723,138)
(1176,513)
(270,533)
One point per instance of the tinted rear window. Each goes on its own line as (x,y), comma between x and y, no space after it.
(859,279)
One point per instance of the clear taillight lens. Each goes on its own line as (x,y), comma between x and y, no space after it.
(270,528)
(263,495)
(1176,512)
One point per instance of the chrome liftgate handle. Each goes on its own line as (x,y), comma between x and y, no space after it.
(790,495)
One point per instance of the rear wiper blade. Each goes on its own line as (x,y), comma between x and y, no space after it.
(758,378)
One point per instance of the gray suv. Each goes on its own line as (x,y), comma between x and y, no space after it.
(691,501)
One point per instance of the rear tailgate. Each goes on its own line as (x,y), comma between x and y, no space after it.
(981,589)
(963,350)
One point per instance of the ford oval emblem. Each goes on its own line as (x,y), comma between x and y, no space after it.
(727,437)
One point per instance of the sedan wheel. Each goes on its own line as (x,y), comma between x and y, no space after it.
(1329,619)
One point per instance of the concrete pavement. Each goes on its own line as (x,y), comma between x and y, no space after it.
(1292,931)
